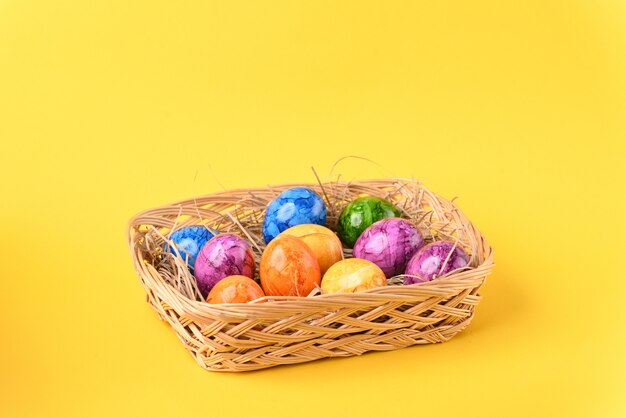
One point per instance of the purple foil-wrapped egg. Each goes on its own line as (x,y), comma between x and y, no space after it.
(389,243)
(222,256)
(428,263)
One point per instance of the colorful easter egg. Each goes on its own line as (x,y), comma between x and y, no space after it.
(434,260)
(222,256)
(235,289)
(389,243)
(292,207)
(352,275)
(360,214)
(189,241)
(288,268)
(321,240)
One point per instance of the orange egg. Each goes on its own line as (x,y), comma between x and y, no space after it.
(288,268)
(322,241)
(235,289)
(353,275)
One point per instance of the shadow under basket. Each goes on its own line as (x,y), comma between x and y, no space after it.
(287,330)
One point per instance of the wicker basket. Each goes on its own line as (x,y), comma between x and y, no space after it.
(288,330)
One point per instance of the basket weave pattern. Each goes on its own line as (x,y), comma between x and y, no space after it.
(287,330)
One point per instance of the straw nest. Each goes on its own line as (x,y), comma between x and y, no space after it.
(286,330)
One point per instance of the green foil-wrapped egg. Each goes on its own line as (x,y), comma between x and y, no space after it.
(360,214)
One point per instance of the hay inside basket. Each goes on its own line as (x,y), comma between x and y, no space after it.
(285,330)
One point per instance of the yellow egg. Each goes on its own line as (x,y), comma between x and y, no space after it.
(322,241)
(352,275)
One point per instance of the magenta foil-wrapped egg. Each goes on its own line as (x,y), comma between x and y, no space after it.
(428,263)
(389,243)
(222,256)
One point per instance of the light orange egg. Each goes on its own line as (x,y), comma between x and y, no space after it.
(288,268)
(322,241)
(235,289)
(352,275)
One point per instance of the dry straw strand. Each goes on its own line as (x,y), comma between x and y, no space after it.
(286,330)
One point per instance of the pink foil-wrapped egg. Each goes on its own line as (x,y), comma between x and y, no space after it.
(428,263)
(389,243)
(222,256)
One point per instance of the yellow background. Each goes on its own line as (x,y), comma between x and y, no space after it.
(108,108)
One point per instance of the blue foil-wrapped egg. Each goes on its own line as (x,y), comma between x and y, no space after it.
(292,207)
(189,241)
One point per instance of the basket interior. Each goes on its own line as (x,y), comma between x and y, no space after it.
(242,212)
